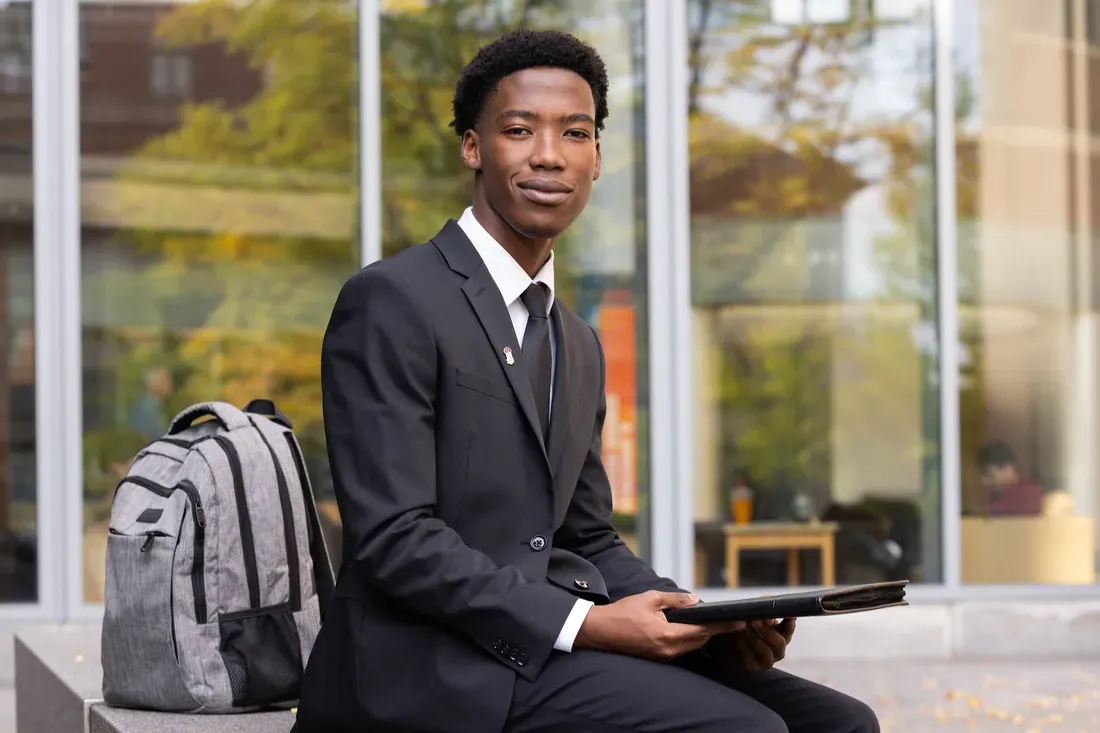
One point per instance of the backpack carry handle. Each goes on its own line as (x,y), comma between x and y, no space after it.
(230,417)
(269,409)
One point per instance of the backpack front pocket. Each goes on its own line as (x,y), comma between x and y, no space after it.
(152,510)
(140,667)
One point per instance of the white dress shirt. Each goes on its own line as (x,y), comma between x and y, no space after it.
(512,280)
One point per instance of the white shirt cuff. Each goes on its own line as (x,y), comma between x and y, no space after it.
(572,625)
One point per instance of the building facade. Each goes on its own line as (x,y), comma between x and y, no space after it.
(842,259)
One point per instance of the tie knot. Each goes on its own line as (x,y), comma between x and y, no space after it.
(534,300)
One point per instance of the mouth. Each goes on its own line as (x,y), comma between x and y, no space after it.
(544,191)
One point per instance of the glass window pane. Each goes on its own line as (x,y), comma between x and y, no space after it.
(1028,215)
(220,218)
(600,261)
(18,526)
(813,295)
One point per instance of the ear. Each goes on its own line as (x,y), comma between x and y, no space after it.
(471,151)
(599,163)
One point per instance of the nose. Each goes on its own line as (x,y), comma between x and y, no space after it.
(547,152)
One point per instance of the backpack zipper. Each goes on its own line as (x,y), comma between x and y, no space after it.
(149,537)
(177,442)
(248,545)
(198,580)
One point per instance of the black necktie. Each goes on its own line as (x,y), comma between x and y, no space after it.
(536,350)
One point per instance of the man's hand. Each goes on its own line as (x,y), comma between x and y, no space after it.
(759,647)
(636,626)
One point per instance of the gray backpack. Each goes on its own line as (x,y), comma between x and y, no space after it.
(212,603)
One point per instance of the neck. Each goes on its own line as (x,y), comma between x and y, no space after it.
(531,254)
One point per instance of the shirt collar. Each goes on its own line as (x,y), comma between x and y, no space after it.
(511,279)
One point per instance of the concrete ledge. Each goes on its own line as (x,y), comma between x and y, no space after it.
(106,719)
(7,657)
(996,630)
(912,632)
(1043,630)
(59,683)
(56,671)
(58,677)
(970,630)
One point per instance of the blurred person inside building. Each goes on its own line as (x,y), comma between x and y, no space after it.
(148,415)
(1006,493)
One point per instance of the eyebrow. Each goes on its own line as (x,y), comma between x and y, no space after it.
(526,114)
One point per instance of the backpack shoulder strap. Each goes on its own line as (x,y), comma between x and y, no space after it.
(323,576)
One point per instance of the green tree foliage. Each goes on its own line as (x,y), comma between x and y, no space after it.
(261,195)
(243,220)
(242,299)
(767,195)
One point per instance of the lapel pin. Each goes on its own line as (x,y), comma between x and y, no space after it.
(508,358)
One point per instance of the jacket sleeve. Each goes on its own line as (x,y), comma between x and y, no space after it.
(379,371)
(587,529)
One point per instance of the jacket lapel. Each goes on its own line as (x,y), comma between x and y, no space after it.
(488,304)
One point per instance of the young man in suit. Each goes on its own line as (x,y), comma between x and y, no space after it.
(483,587)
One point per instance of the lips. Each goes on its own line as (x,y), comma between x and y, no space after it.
(545,191)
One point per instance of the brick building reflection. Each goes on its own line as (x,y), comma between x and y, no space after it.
(131,90)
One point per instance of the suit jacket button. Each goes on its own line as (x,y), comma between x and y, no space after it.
(497,645)
(538,542)
(521,660)
(583,585)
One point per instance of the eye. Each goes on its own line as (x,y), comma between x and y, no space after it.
(515,131)
(578,134)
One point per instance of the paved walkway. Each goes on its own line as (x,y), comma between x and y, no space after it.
(972,697)
(957,697)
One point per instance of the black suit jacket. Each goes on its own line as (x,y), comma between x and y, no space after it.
(466,539)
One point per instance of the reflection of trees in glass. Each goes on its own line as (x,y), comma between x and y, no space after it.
(797,82)
(972,392)
(423,49)
(600,260)
(777,392)
(908,259)
(236,305)
(768,204)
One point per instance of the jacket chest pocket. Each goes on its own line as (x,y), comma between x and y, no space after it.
(487,414)
(484,386)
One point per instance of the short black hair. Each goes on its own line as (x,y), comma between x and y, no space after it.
(996,453)
(525,49)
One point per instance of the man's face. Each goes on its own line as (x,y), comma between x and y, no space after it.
(535,147)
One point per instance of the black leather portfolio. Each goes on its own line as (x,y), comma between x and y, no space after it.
(828,602)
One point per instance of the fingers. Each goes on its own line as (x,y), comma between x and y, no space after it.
(662,600)
(765,623)
(681,639)
(674,632)
(759,655)
(684,638)
(775,642)
(688,631)
(752,653)
(688,637)
(726,627)
(786,628)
